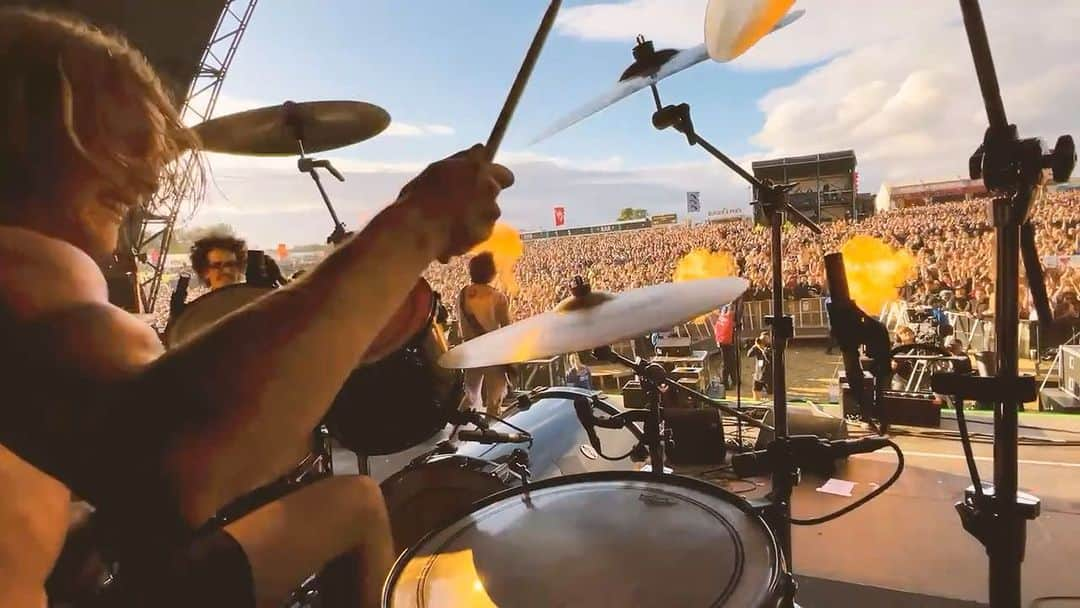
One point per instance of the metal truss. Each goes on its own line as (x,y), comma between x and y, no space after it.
(201,99)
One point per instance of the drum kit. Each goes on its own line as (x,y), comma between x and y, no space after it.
(544,507)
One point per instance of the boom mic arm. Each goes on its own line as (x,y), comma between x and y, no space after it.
(853,328)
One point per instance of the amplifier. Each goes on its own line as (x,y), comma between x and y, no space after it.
(911,409)
(674,347)
(633,396)
(695,376)
(697,436)
(1070,369)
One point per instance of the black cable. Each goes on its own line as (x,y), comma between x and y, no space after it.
(862,501)
(965,441)
(1053,598)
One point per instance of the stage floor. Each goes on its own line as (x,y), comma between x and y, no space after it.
(909,539)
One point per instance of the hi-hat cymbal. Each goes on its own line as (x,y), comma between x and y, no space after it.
(597,319)
(274,130)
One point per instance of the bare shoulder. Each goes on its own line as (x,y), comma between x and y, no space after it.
(57,295)
(40,275)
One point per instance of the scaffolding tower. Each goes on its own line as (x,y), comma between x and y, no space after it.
(199,103)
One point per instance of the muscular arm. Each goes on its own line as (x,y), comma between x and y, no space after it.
(33,520)
(90,385)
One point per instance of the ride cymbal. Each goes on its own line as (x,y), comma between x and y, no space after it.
(595,319)
(275,130)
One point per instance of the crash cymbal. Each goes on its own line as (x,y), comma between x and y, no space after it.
(724,37)
(274,130)
(597,319)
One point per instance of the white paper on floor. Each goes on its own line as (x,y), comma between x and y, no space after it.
(839,487)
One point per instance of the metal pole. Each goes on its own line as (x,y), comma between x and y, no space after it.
(782,476)
(1007,541)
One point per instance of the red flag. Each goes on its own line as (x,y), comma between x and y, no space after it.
(560,216)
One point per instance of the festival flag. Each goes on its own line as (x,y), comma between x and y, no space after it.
(560,216)
(693,202)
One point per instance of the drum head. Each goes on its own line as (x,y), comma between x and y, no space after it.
(600,539)
(208,308)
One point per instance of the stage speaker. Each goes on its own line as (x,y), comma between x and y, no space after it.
(848,398)
(1070,369)
(633,396)
(697,436)
(911,409)
(674,347)
(694,375)
(805,419)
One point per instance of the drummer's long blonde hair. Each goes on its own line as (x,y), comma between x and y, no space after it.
(75,99)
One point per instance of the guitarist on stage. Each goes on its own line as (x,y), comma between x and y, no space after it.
(482,308)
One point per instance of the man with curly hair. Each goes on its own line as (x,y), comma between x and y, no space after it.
(219,260)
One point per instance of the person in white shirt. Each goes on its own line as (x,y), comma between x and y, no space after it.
(482,309)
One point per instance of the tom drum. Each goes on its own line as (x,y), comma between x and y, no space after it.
(614,538)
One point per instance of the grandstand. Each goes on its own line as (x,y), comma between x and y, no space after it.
(826,184)
(924,193)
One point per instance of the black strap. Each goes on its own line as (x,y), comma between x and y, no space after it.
(468,317)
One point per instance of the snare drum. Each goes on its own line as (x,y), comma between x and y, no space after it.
(614,538)
(438,488)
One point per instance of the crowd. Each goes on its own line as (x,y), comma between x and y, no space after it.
(952,244)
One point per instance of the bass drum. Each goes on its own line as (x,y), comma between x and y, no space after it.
(437,488)
(616,538)
(207,309)
(399,397)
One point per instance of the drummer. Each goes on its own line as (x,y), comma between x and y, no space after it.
(159,442)
(219,260)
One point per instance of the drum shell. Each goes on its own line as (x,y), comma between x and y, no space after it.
(600,557)
(401,400)
(437,488)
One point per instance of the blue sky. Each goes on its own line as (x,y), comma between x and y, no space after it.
(847,75)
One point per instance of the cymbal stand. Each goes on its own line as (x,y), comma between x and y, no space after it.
(309,165)
(772,198)
(1012,169)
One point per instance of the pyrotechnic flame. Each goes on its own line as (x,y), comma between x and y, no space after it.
(875,272)
(506,247)
(705,264)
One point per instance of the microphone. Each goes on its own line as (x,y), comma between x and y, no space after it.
(489,436)
(179,295)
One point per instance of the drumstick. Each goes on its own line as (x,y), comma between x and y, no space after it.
(501,124)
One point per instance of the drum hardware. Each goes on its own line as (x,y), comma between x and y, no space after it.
(1013,169)
(772,199)
(653,378)
(443,484)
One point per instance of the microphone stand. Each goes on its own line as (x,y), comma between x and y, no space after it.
(772,198)
(1013,169)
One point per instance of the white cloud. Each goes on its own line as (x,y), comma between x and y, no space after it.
(404,129)
(666,22)
(909,103)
